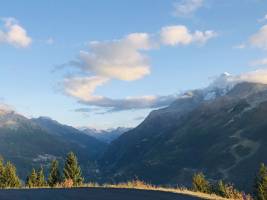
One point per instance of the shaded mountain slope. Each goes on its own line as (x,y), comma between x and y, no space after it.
(224,137)
(93,146)
(28,145)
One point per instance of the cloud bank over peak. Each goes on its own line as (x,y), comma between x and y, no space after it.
(14,34)
(227,80)
(81,88)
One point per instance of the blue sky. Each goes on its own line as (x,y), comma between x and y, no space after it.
(108,63)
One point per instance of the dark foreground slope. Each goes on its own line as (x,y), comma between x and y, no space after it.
(90,194)
(225,137)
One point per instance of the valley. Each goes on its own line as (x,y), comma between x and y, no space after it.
(193,134)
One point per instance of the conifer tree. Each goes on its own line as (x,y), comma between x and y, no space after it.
(72,169)
(260,190)
(10,178)
(32,179)
(40,181)
(54,175)
(2,168)
(200,184)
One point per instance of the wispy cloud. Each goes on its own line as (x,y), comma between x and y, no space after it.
(259,62)
(50,41)
(82,88)
(184,8)
(14,34)
(239,46)
(263,19)
(259,39)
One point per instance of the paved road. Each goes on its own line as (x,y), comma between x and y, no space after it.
(89,194)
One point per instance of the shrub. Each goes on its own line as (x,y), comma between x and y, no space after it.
(227,190)
(68,183)
(200,184)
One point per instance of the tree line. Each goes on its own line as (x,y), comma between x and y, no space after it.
(72,175)
(227,190)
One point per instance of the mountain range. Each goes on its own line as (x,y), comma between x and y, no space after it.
(107,135)
(223,136)
(34,142)
(220,131)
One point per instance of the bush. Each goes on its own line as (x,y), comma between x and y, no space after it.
(68,183)
(227,190)
(200,184)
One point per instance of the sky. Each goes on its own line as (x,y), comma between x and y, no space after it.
(106,64)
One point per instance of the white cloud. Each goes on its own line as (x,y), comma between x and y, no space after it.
(124,59)
(203,36)
(83,88)
(14,34)
(186,7)
(173,35)
(129,103)
(259,39)
(120,59)
(257,76)
(180,35)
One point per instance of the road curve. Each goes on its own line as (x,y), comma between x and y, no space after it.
(90,194)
